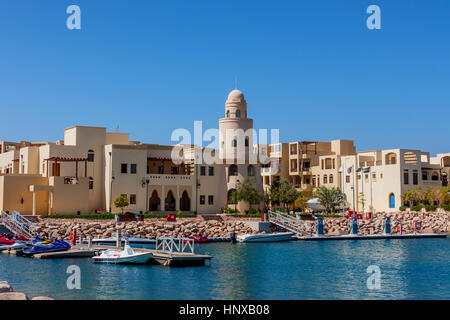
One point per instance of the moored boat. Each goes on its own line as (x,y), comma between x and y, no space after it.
(265,237)
(128,255)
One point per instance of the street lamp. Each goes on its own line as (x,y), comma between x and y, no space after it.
(235,196)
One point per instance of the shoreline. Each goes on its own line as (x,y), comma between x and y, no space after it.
(221,227)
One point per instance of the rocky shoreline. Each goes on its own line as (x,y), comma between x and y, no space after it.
(7,293)
(223,226)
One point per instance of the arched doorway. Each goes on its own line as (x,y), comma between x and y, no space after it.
(392,201)
(233,171)
(170,201)
(231,197)
(185,202)
(154,202)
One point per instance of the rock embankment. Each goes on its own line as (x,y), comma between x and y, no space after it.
(7,293)
(147,229)
(432,222)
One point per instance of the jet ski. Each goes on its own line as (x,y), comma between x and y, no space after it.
(45,246)
(200,238)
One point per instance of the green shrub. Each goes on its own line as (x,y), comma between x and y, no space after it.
(237,215)
(416,208)
(253,211)
(430,208)
(228,210)
(446,207)
(402,208)
(110,216)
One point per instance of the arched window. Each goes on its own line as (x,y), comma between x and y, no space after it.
(233,171)
(228,113)
(392,201)
(391,158)
(90,156)
(234,143)
(238,113)
(246,142)
(325,179)
(251,171)
(331,178)
(91,183)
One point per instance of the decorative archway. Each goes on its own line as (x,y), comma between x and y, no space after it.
(154,202)
(170,201)
(233,170)
(185,202)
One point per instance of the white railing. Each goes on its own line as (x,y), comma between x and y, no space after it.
(18,224)
(175,245)
(287,222)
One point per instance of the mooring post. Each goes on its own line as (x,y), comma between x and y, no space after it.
(118,239)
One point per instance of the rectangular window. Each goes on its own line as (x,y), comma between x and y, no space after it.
(210,200)
(133,168)
(415,177)
(211,171)
(202,200)
(347,179)
(148,169)
(161,170)
(123,168)
(406,177)
(174,170)
(132,199)
(203,171)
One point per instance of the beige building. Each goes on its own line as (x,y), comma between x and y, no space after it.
(380,178)
(313,163)
(443,160)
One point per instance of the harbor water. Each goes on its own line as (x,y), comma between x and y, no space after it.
(409,269)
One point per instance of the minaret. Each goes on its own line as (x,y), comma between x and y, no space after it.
(235,118)
(236,171)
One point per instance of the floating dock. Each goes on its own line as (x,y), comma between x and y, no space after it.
(374,237)
(172,259)
(72,253)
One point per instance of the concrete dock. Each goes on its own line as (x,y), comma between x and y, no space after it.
(72,253)
(374,237)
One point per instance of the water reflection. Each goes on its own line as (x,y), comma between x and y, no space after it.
(411,269)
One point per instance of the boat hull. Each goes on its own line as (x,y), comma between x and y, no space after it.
(278,237)
(136,259)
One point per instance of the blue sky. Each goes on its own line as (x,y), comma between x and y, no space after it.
(310,68)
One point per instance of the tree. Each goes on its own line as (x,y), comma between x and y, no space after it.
(248,193)
(413,196)
(121,202)
(328,197)
(283,192)
(433,195)
(301,201)
(362,199)
(445,195)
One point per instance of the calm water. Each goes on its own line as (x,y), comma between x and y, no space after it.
(411,269)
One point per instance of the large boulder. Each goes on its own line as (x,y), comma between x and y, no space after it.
(5,287)
(13,296)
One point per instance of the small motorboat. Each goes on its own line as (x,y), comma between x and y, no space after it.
(200,238)
(265,237)
(127,255)
(45,246)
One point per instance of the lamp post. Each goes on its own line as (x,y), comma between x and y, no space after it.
(235,196)
(147,181)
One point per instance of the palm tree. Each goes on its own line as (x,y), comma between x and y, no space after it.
(328,197)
